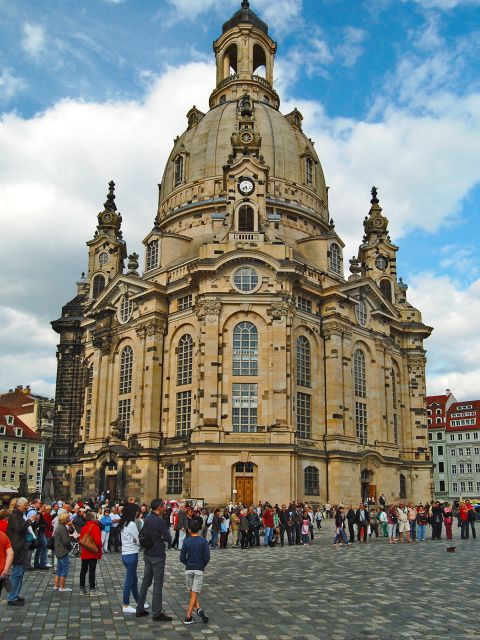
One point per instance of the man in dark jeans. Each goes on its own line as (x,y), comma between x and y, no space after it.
(17,532)
(285,525)
(154,557)
(362,518)
(351,518)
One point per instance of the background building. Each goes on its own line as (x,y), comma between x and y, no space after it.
(454,438)
(35,410)
(242,363)
(22,451)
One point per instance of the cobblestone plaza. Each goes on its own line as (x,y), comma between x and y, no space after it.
(365,591)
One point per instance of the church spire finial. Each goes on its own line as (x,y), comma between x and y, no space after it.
(245,4)
(374,193)
(110,203)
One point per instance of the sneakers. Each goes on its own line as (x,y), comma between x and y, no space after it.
(15,603)
(83,592)
(65,589)
(188,620)
(94,592)
(55,588)
(201,614)
(129,609)
(141,614)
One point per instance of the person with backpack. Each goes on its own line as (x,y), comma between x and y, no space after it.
(153,537)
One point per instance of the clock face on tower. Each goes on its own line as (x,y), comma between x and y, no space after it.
(246,186)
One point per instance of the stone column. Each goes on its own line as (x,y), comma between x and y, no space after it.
(208,312)
(333,332)
(278,385)
(151,336)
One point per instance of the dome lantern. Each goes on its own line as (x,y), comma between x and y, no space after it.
(245,56)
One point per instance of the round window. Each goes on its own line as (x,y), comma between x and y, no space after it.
(362,314)
(125,309)
(103,257)
(246,280)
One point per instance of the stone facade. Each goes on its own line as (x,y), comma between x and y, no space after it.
(242,364)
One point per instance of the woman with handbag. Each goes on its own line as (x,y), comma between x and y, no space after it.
(90,541)
(130,551)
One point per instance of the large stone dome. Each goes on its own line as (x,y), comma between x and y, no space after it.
(208,146)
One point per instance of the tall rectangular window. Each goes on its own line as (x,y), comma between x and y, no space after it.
(395,428)
(361,422)
(454,487)
(152,255)
(442,485)
(88,415)
(454,469)
(124,412)
(183,419)
(245,407)
(304,415)
(470,487)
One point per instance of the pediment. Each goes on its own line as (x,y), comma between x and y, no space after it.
(370,292)
(132,285)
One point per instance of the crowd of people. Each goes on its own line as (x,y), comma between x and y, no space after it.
(29,530)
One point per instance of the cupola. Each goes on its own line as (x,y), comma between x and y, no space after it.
(245,56)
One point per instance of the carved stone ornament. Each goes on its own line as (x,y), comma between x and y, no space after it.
(281,308)
(114,429)
(416,363)
(209,309)
(151,328)
(103,342)
(337,329)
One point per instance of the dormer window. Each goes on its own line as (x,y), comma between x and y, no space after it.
(152,255)
(309,171)
(2,430)
(178,170)
(18,432)
(335,258)
(10,420)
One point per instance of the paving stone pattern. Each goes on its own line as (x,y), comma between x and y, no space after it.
(373,590)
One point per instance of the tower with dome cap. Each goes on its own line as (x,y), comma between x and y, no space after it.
(240,363)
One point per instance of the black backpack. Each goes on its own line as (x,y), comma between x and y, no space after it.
(145,536)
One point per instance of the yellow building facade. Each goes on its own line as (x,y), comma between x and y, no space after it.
(241,364)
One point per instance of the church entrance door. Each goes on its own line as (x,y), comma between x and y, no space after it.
(244,487)
(111,485)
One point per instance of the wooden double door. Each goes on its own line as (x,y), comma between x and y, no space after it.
(244,487)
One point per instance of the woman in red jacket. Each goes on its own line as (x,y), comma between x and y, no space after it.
(89,559)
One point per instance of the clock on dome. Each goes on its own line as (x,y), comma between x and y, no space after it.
(246,186)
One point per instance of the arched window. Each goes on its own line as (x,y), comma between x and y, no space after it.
(185,360)
(259,61)
(246,219)
(312,483)
(304,415)
(178,170)
(152,255)
(230,61)
(386,289)
(245,349)
(79,482)
(98,285)
(359,373)
(309,167)
(126,367)
(335,258)
(403,486)
(175,479)
(303,362)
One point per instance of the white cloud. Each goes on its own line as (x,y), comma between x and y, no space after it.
(453,348)
(281,15)
(27,348)
(350,50)
(10,85)
(33,39)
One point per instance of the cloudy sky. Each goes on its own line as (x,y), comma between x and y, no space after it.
(92,90)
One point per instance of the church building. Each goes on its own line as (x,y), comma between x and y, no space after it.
(235,360)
